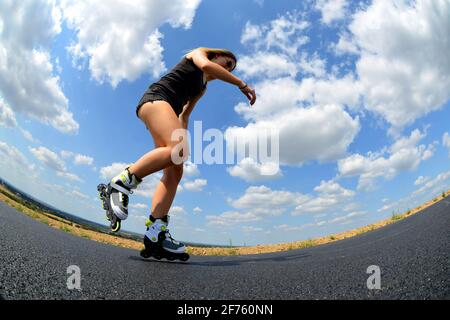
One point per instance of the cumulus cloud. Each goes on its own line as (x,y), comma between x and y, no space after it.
(256,204)
(405,154)
(52,161)
(251,171)
(123,42)
(10,155)
(316,103)
(78,159)
(326,132)
(196,185)
(27,81)
(190,169)
(284,34)
(267,63)
(331,10)
(331,196)
(403,67)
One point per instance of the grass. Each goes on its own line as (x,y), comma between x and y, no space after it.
(67,226)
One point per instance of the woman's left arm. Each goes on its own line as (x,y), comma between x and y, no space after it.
(187,109)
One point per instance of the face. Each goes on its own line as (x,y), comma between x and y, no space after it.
(228,63)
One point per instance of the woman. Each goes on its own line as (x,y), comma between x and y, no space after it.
(166,107)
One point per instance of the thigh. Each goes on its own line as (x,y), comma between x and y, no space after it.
(161,121)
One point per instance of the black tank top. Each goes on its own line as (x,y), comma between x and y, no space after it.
(181,84)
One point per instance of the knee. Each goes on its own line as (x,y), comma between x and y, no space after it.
(179,153)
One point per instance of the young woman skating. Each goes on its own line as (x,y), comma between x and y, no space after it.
(164,108)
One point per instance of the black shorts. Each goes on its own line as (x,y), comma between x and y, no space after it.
(153,94)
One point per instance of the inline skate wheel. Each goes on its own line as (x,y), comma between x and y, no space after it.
(115,226)
(184,257)
(145,254)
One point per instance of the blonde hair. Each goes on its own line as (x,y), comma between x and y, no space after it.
(211,52)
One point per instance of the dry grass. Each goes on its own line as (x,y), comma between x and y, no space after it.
(67,226)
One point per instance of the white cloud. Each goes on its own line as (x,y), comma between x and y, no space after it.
(313,65)
(348,218)
(27,80)
(265,202)
(196,185)
(404,66)
(176,211)
(80,195)
(49,159)
(331,196)
(421,180)
(197,210)
(10,155)
(446,142)
(428,190)
(332,10)
(256,204)
(139,206)
(83,160)
(109,172)
(190,169)
(252,171)
(27,135)
(99,25)
(7,116)
(435,186)
(266,64)
(284,34)
(344,91)
(52,161)
(326,132)
(230,218)
(78,159)
(403,155)
(251,229)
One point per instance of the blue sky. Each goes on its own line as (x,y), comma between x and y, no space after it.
(359,91)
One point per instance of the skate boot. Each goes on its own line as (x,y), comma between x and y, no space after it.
(114,197)
(160,244)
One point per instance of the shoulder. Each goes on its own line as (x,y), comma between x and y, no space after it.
(196,53)
(199,57)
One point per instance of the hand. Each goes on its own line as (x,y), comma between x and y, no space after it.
(249,93)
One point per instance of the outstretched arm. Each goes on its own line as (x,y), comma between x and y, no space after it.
(201,60)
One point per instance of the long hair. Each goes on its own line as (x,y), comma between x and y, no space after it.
(211,52)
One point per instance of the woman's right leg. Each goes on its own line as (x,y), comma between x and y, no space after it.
(161,121)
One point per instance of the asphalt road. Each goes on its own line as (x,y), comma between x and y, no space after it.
(413,256)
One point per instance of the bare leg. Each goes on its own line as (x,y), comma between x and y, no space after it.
(166,190)
(161,121)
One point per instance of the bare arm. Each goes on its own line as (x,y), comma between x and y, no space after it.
(201,60)
(199,57)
